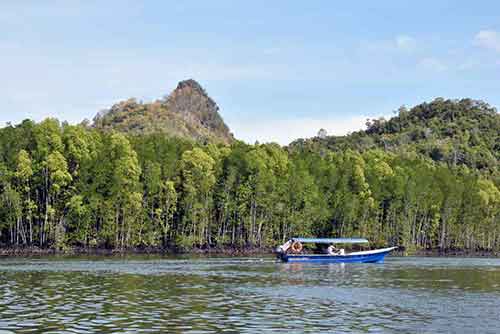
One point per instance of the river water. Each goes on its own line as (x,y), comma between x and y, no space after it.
(248,295)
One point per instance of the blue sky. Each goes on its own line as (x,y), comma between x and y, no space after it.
(279,70)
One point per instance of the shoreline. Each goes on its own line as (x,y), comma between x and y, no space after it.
(228,251)
(452,253)
(35,251)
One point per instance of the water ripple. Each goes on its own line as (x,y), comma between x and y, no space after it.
(247,295)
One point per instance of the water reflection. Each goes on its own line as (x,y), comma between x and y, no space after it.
(211,295)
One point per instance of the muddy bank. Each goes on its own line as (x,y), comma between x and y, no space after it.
(230,251)
(448,253)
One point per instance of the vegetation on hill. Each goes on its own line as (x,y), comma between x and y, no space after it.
(454,132)
(187,112)
(427,178)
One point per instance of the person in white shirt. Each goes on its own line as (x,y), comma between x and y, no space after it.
(331,250)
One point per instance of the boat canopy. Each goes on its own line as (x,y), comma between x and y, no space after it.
(331,240)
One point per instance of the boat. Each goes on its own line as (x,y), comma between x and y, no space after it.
(292,251)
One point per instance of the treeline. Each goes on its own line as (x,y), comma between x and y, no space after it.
(454,132)
(67,186)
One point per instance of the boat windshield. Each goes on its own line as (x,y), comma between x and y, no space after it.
(331,240)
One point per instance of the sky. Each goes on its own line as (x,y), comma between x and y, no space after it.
(279,70)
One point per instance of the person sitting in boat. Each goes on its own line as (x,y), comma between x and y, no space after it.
(331,250)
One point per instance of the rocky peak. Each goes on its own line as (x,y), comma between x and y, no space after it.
(190,97)
(192,85)
(187,112)
(190,100)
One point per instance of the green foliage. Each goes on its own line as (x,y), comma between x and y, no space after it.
(454,132)
(187,112)
(427,178)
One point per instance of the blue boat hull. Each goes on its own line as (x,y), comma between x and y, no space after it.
(360,257)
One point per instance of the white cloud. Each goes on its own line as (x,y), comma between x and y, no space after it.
(67,84)
(396,44)
(432,64)
(406,43)
(284,131)
(488,39)
(469,64)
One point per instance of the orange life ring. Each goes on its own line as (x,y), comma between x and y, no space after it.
(296,247)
